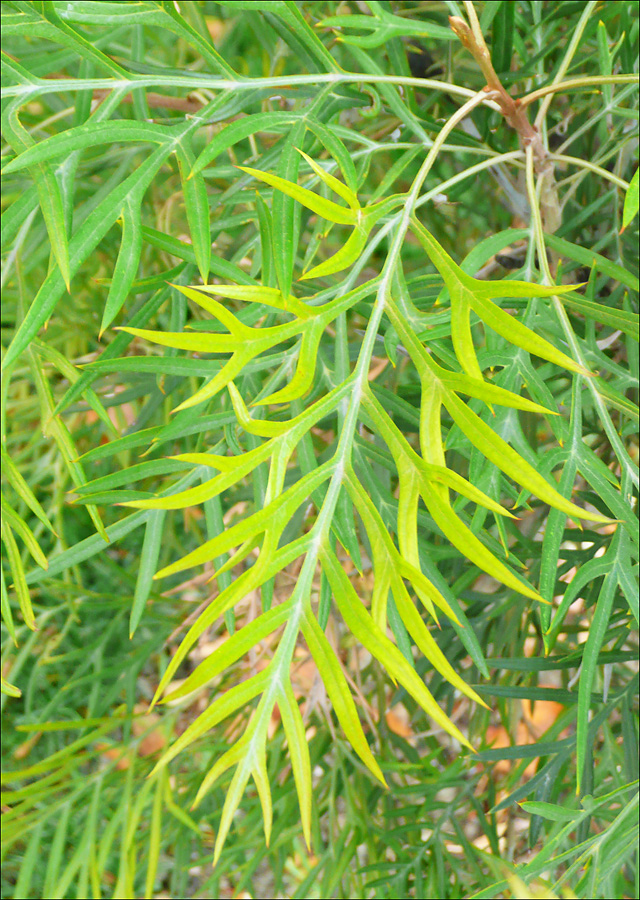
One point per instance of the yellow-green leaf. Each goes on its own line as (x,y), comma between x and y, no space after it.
(630,202)
(317,204)
(336,186)
(345,256)
(469,293)
(299,755)
(367,632)
(7,688)
(338,691)
(505,457)
(227,703)
(266,296)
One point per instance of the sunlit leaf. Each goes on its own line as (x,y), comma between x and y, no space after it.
(630,202)
(317,204)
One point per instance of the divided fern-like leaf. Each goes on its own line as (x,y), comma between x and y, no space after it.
(422,476)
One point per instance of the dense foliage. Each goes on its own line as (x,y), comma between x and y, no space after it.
(319,444)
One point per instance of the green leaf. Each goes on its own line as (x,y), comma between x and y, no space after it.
(22,489)
(127,263)
(5,607)
(587,257)
(336,186)
(250,580)
(462,538)
(20,527)
(597,631)
(234,132)
(550,811)
(148,564)
(317,204)
(503,456)
(370,636)
(232,649)
(630,202)
(49,194)
(345,256)
(384,26)
(281,507)
(332,142)
(469,293)
(222,707)
(338,691)
(90,233)
(616,318)
(197,206)
(502,43)
(299,753)
(82,137)
(12,691)
(258,294)
(81,245)
(20,582)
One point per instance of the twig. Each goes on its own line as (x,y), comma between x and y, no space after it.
(515,113)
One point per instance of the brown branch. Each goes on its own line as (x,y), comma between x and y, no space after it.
(157,100)
(513,111)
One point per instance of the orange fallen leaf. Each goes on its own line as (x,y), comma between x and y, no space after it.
(111,752)
(397,718)
(25,748)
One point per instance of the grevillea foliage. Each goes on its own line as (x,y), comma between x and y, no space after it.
(351,393)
